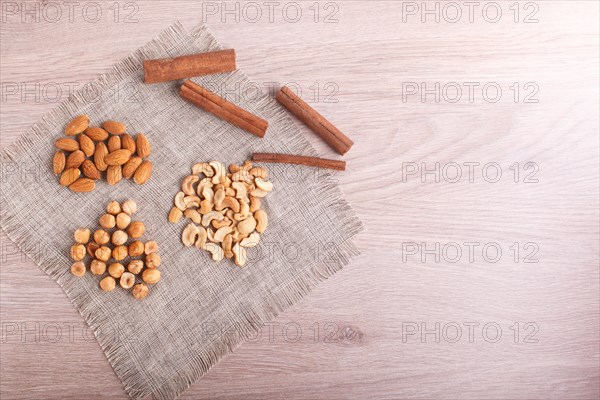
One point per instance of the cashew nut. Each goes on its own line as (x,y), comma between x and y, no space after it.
(187,186)
(203,168)
(206,182)
(267,186)
(224,208)
(210,234)
(208,217)
(241,192)
(205,206)
(188,237)
(241,176)
(215,250)
(174,215)
(226,245)
(202,236)
(221,233)
(251,240)
(254,203)
(208,194)
(220,170)
(219,224)
(259,172)
(244,212)
(218,198)
(258,193)
(239,253)
(194,215)
(246,226)
(261,220)
(228,202)
(179,203)
(236,236)
(191,201)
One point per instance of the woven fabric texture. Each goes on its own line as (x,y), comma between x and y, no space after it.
(200,310)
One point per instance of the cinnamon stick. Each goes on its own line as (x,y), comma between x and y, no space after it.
(315,121)
(218,106)
(299,160)
(170,69)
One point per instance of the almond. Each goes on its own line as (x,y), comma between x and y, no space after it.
(58,162)
(131,166)
(83,185)
(99,156)
(75,159)
(77,125)
(128,143)
(66,144)
(114,143)
(142,174)
(114,127)
(69,176)
(96,134)
(89,170)
(86,144)
(117,157)
(114,174)
(143,146)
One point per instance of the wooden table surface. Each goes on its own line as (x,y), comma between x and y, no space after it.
(474,170)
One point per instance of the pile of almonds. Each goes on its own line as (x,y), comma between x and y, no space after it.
(113,243)
(224,208)
(81,161)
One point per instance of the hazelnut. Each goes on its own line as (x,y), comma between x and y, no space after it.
(82,235)
(108,283)
(97,267)
(129,207)
(119,253)
(123,220)
(151,276)
(78,269)
(135,266)
(101,236)
(77,252)
(150,247)
(107,221)
(153,260)
(103,253)
(91,248)
(136,229)
(140,291)
(116,270)
(119,238)
(113,208)
(127,280)
(136,248)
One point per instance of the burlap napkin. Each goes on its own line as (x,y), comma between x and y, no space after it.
(200,310)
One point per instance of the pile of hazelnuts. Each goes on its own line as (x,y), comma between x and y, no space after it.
(116,243)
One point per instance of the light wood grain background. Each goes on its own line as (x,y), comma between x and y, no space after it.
(367,54)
